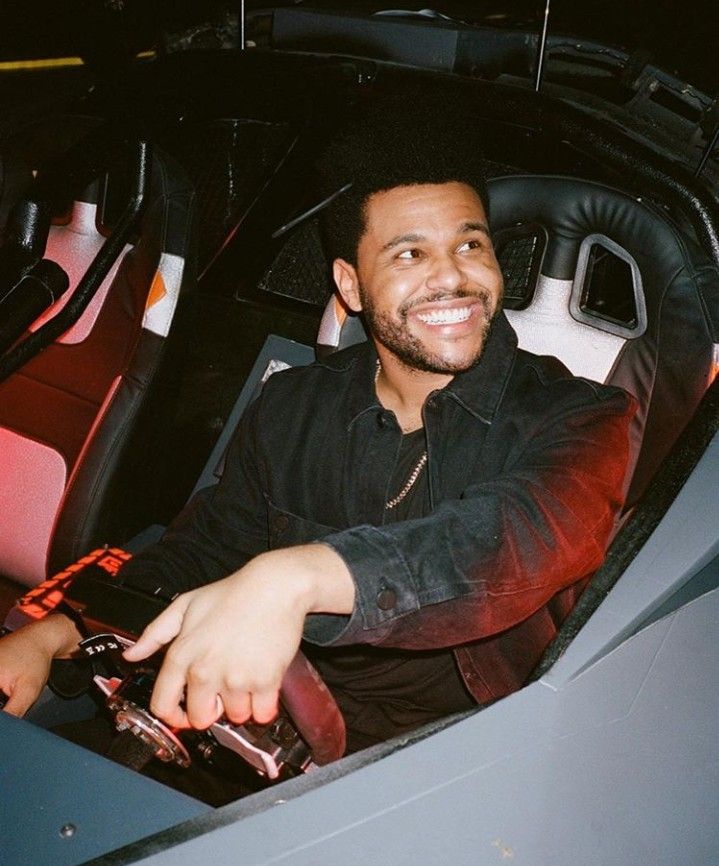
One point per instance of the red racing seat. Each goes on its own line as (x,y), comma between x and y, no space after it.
(68,414)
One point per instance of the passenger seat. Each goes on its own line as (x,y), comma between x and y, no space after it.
(68,415)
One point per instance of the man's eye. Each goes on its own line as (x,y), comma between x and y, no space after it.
(409,254)
(473,244)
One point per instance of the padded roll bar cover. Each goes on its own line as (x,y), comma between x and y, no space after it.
(313,709)
(669,367)
(166,227)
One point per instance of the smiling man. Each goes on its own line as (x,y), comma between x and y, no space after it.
(422,509)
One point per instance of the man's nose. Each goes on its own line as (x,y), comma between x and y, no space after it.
(445,273)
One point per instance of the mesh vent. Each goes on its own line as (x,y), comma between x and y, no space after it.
(519,253)
(300,270)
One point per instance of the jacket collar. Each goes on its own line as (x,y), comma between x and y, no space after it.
(478,390)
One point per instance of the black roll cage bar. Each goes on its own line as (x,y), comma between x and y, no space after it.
(29,225)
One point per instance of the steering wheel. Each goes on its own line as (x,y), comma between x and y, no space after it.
(314,711)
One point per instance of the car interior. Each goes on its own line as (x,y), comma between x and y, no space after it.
(105,427)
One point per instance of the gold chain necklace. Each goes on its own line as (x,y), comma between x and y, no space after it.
(414,474)
(410,483)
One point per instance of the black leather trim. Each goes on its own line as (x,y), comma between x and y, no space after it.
(85,498)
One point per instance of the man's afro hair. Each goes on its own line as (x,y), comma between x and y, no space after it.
(403,139)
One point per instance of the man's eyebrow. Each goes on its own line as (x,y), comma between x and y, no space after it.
(413,238)
(475,227)
(403,239)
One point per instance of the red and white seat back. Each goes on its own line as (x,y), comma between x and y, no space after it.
(66,417)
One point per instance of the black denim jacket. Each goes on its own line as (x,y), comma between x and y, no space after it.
(526,468)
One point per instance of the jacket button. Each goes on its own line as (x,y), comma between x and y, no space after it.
(386,599)
(281,523)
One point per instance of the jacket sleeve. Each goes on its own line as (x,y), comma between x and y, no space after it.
(479,564)
(219,530)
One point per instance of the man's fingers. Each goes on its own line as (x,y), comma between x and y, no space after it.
(203,704)
(265,706)
(158,633)
(168,694)
(238,706)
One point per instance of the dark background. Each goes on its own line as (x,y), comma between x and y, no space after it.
(681,37)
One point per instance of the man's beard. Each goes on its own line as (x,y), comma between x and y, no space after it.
(394,335)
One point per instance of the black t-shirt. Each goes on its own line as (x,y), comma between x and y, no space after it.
(383,692)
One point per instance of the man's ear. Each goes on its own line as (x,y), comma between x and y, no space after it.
(347,282)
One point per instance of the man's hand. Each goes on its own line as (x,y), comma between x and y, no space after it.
(232,641)
(25,657)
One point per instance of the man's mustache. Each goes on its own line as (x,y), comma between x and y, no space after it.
(483,297)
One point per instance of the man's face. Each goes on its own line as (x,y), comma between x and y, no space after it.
(426,279)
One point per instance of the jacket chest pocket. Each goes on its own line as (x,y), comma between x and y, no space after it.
(287,529)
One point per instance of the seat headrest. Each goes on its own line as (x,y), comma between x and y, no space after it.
(572,210)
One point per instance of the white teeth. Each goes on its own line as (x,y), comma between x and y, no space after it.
(445,317)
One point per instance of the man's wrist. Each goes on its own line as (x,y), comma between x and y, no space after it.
(334,588)
(314,575)
(58,634)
